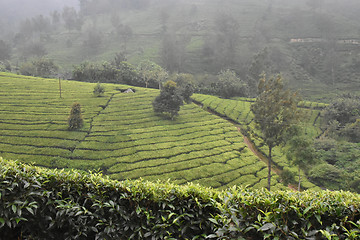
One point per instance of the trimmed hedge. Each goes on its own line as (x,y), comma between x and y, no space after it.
(39,203)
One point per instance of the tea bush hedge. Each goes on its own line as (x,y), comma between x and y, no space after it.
(38,203)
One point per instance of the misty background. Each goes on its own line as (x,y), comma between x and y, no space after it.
(314,44)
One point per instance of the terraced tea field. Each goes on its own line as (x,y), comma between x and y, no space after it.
(239,112)
(122,136)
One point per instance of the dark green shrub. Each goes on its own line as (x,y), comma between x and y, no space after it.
(40,67)
(115,72)
(342,118)
(169,101)
(75,119)
(185,82)
(230,85)
(287,177)
(38,203)
(328,176)
(99,90)
(49,204)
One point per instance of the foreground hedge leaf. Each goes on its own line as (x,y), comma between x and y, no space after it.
(77,205)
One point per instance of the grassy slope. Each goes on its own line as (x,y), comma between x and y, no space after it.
(126,139)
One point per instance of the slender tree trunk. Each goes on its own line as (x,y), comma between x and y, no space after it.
(299,180)
(269,169)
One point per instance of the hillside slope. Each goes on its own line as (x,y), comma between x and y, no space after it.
(122,136)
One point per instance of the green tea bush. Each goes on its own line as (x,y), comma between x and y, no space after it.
(287,215)
(99,90)
(75,119)
(38,203)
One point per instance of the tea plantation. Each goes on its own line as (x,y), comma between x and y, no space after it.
(238,111)
(39,203)
(122,136)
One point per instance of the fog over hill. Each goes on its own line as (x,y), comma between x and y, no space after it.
(11,10)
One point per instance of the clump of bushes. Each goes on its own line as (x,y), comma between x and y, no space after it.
(99,90)
(169,101)
(39,67)
(75,119)
(47,204)
(38,203)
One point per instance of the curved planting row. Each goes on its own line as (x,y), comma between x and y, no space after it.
(121,135)
(240,112)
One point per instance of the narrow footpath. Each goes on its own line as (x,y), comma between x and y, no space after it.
(247,141)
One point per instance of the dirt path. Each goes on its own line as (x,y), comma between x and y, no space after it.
(261,156)
(248,143)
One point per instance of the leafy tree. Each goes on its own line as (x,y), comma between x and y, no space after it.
(329,176)
(127,74)
(93,41)
(5,51)
(125,32)
(39,67)
(41,24)
(5,66)
(220,48)
(34,49)
(301,153)
(342,155)
(342,117)
(26,29)
(150,71)
(94,72)
(173,51)
(118,59)
(345,109)
(352,131)
(71,18)
(115,72)
(75,119)
(99,90)
(186,84)
(287,177)
(169,101)
(260,63)
(275,111)
(230,85)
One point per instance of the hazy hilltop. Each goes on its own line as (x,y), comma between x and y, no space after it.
(315,44)
(14,10)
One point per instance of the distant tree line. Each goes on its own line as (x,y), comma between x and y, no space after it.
(149,74)
(94,7)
